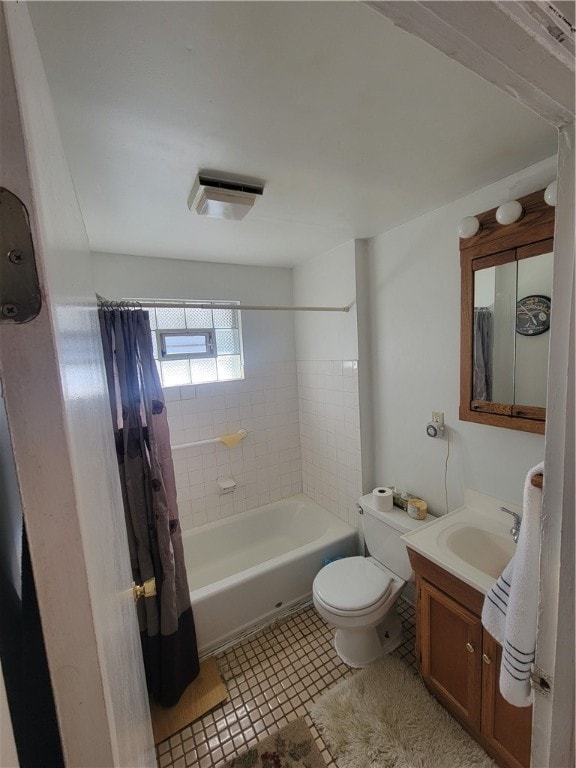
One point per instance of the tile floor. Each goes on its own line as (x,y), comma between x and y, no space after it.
(272,677)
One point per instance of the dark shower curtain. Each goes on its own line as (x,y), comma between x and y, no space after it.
(146,471)
(482,354)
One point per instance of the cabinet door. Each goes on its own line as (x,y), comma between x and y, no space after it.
(507,728)
(451,651)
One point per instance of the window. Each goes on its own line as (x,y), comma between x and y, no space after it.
(196,346)
(183,345)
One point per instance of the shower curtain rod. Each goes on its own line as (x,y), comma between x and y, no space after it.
(149,303)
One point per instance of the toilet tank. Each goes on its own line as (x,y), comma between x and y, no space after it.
(382,532)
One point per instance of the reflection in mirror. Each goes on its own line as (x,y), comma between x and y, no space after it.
(494,318)
(510,366)
(531,358)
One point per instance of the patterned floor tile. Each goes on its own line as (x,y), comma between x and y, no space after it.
(272,678)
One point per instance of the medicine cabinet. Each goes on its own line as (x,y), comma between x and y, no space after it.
(506,299)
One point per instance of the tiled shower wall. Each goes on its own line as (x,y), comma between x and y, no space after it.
(303,425)
(266,464)
(330,435)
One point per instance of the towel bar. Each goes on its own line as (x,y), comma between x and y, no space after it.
(229,440)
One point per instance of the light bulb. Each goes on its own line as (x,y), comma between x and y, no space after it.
(468,226)
(509,212)
(551,193)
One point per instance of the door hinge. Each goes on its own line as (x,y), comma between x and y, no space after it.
(540,681)
(20,298)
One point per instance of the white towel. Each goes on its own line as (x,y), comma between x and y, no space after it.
(510,607)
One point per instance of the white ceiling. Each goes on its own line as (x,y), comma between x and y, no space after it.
(354,126)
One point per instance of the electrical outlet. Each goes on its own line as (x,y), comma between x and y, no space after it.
(438,417)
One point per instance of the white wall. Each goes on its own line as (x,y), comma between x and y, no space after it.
(265,465)
(329,416)
(268,336)
(328,381)
(327,280)
(415,319)
(365,373)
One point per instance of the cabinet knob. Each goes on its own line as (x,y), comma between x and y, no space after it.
(486,659)
(469,647)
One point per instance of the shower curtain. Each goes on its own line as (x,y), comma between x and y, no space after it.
(482,352)
(146,471)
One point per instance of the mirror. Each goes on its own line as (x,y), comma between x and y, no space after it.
(511,322)
(506,305)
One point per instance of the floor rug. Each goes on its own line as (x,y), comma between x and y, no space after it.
(383,717)
(202,695)
(291,747)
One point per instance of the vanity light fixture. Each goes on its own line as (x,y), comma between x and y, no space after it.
(509,212)
(551,192)
(468,227)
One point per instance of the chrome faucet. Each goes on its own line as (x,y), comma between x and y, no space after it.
(515,530)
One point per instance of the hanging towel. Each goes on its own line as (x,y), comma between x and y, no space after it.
(510,607)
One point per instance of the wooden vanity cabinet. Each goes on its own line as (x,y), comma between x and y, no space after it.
(460,664)
(450,637)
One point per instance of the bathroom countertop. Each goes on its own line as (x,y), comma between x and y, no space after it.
(472,543)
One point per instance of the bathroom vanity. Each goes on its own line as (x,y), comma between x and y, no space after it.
(460,664)
(456,559)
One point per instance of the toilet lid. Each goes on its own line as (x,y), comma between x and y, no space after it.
(351,584)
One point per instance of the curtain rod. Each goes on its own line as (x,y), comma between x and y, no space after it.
(144,303)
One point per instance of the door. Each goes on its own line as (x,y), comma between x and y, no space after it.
(53,383)
(451,648)
(507,728)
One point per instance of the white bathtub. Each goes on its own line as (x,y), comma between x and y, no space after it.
(246,569)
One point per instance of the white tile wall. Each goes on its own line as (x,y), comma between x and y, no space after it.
(303,424)
(330,435)
(266,464)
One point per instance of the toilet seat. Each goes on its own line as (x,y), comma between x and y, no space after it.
(353,586)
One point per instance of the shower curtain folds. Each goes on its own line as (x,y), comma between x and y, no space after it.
(146,471)
(482,354)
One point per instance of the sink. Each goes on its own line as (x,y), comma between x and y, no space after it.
(472,543)
(487,551)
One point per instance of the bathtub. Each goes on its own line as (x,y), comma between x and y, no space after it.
(245,570)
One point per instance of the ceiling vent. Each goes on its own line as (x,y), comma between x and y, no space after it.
(222,198)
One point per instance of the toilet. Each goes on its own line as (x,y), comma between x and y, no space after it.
(358,595)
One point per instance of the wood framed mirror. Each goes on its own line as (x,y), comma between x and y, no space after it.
(506,298)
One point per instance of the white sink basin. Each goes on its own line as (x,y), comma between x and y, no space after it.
(473,543)
(487,551)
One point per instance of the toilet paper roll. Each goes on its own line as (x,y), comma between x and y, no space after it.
(383,499)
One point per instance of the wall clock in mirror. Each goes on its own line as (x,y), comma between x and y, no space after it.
(533,315)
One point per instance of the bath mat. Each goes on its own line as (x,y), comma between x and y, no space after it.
(202,695)
(291,747)
(384,717)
